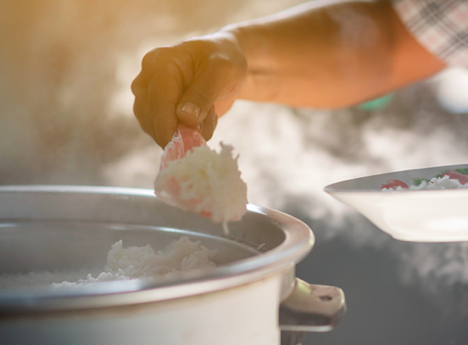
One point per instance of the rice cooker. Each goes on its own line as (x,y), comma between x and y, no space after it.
(252,297)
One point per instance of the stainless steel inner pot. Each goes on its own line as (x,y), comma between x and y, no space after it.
(69,228)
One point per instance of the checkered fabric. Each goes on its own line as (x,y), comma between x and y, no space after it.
(441,26)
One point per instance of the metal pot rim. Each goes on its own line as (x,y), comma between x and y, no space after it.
(298,242)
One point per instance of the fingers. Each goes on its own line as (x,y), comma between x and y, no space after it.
(209,124)
(157,89)
(163,91)
(222,106)
(212,79)
(139,106)
(182,84)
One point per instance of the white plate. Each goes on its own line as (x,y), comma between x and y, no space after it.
(409,215)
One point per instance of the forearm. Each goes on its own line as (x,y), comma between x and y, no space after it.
(330,56)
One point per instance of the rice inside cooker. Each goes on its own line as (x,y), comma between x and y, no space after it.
(176,260)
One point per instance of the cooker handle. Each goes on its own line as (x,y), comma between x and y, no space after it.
(312,308)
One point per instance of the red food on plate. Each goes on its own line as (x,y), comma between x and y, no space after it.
(455,175)
(393,184)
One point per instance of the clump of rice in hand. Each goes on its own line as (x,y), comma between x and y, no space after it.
(206,182)
(202,180)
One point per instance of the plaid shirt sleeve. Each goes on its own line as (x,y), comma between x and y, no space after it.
(441,26)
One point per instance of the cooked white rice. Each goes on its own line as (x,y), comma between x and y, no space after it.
(208,183)
(435,183)
(178,258)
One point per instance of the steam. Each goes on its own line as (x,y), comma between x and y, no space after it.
(439,270)
(287,156)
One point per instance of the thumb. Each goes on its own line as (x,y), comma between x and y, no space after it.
(194,104)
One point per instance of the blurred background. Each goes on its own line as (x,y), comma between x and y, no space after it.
(66,118)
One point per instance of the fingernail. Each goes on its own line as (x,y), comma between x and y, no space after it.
(190,109)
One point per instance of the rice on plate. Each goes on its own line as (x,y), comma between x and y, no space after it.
(418,205)
(448,179)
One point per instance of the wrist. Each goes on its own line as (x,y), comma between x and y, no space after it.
(249,38)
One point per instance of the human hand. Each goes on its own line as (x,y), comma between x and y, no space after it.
(192,82)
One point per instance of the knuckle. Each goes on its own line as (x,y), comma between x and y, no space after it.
(197,45)
(135,86)
(203,98)
(155,56)
(221,63)
(147,60)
